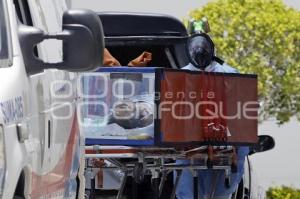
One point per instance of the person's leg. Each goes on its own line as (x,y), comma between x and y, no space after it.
(211,180)
(235,178)
(185,188)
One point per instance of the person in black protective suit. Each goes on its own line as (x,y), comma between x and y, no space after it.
(211,184)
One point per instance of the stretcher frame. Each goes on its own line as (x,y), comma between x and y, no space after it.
(152,157)
(238,136)
(154,161)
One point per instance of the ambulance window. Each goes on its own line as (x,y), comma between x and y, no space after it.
(4,38)
(24,15)
(23,12)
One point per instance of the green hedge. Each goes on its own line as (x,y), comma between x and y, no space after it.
(283,192)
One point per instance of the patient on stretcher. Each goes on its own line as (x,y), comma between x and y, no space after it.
(126,120)
(129,106)
(130,115)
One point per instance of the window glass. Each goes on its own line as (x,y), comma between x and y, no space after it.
(3,37)
(117,105)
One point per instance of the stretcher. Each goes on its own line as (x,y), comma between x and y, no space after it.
(137,162)
(152,141)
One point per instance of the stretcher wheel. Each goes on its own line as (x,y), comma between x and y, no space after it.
(227,183)
(138,173)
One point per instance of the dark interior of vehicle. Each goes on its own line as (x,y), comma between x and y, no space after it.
(124,54)
(127,35)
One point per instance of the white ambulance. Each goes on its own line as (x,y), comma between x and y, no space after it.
(41,45)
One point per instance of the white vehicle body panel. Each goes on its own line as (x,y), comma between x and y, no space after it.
(43,104)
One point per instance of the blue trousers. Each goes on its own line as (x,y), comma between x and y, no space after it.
(209,177)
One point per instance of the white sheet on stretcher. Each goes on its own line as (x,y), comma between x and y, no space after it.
(114,131)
